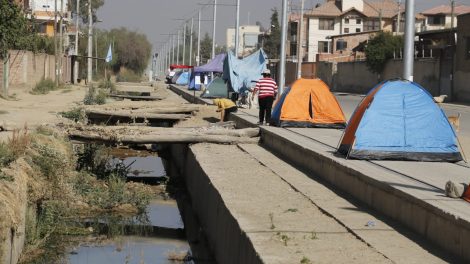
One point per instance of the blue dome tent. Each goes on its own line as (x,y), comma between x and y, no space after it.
(183,79)
(399,120)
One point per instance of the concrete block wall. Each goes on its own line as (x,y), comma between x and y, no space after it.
(227,241)
(355,77)
(28,68)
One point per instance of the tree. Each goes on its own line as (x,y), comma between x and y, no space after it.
(206,48)
(95,5)
(272,46)
(16,31)
(132,50)
(380,49)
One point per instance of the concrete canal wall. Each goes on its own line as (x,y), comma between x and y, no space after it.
(227,241)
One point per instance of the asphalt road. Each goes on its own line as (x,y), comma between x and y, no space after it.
(349,102)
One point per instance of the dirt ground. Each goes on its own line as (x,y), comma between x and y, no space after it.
(31,111)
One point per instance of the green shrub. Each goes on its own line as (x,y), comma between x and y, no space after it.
(75,114)
(95,97)
(380,49)
(44,86)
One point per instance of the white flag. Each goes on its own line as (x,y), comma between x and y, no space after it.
(109,56)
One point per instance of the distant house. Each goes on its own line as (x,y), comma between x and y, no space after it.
(43,12)
(338,17)
(440,17)
(248,39)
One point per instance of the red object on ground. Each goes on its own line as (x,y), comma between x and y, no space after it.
(466,194)
(179,66)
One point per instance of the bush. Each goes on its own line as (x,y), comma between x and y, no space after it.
(44,86)
(380,49)
(75,114)
(14,148)
(95,97)
(107,84)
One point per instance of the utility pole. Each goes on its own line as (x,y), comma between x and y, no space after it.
(77,26)
(399,17)
(191,42)
(237,29)
(56,48)
(96,53)
(213,29)
(452,13)
(178,49)
(61,39)
(198,59)
(408,58)
(300,40)
(90,44)
(173,49)
(184,42)
(282,72)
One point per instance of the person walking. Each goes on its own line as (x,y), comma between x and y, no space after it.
(225,107)
(267,91)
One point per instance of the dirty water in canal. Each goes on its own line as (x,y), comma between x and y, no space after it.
(156,236)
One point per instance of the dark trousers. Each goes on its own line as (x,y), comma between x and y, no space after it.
(265,105)
(228,111)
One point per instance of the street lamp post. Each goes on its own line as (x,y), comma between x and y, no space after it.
(237,29)
(282,73)
(77,28)
(191,43)
(90,44)
(300,40)
(408,58)
(184,42)
(213,29)
(198,59)
(178,48)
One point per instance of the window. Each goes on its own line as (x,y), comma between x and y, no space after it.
(358,21)
(341,44)
(326,24)
(346,21)
(346,30)
(468,48)
(358,30)
(436,20)
(322,46)
(371,25)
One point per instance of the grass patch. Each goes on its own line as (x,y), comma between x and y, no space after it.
(68,90)
(126,75)
(95,96)
(44,86)
(14,148)
(74,114)
(107,84)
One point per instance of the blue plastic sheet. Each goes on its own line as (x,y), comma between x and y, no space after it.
(241,74)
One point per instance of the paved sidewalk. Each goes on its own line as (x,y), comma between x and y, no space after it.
(410,192)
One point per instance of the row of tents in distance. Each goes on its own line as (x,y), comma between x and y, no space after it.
(397,120)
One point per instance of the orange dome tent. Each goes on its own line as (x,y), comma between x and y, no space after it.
(308,103)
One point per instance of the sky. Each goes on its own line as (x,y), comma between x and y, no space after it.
(158,17)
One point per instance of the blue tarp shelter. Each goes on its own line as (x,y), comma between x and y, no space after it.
(399,120)
(216,65)
(241,74)
(183,79)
